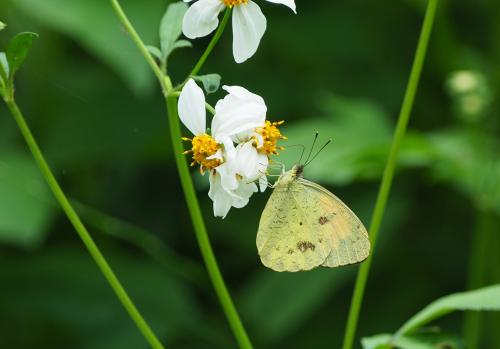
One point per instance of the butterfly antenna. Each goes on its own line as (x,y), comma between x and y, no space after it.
(312,147)
(317,153)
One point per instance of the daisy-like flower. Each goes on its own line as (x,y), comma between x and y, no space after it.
(249,24)
(233,169)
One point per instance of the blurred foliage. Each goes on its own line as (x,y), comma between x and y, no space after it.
(95,109)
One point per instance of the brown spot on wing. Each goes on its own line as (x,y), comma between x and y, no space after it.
(303,246)
(322,220)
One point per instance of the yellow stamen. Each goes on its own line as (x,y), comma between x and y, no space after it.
(202,147)
(270,135)
(231,3)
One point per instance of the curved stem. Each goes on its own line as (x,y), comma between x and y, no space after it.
(138,41)
(388,175)
(80,228)
(200,230)
(212,43)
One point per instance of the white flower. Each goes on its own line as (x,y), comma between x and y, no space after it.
(233,170)
(249,24)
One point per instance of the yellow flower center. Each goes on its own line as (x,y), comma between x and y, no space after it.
(231,3)
(203,146)
(270,136)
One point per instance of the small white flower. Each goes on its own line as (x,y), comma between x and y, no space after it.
(233,170)
(249,24)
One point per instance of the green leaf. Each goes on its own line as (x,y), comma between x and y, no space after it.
(17,50)
(4,67)
(26,207)
(379,341)
(171,29)
(155,51)
(361,134)
(211,82)
(2,25)
(93,25)
(487,298)
(427,339)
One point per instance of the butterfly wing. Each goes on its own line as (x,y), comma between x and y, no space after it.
(288,238)
(348,236)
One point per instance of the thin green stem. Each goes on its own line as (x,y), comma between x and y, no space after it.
(200,230)
(212,43)
(138,41)
(80,228)
(388,175)
(481,237)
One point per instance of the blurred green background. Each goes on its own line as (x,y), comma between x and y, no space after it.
(339,67)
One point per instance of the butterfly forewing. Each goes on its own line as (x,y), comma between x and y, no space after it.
(350,242)
(289,237)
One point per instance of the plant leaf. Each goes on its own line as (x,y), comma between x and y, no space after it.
(211,82)
(26,206)
(171,27)
(4,67)
(487,298)
(2,25)
(428,339)
(155,51)
(17,50)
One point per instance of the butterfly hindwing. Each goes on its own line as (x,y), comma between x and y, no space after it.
(288,238)
(349,238)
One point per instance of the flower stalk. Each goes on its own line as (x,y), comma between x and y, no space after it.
(385,186)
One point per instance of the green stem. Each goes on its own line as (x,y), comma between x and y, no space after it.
(388,175)
(212,43)
(477,274)
(80,228)
(200,230)
(137,40)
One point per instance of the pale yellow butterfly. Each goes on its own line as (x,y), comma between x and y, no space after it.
(304,226)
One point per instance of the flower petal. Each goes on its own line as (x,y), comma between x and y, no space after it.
(244,192)
(222,201)
(289,3)
(263,182)
(192,108)
(201,18)
(238,115)
(249,25)
(249,163)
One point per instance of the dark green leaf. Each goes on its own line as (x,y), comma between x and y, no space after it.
(155,51)
(211,82)
(17,50)
(4,67)
(171,28)
(26,207)
(487,298)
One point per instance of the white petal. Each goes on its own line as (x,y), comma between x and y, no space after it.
(249,25)
(192,108)
(263,183)
(222,201)
(249,163)
(227,175)
(244,192)
(201,18)
(289,3)
(239,112)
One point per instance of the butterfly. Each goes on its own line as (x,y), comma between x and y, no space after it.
(304,226)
